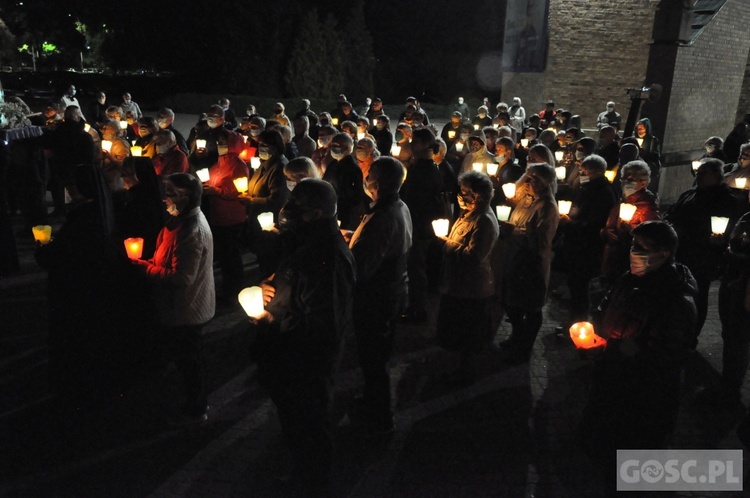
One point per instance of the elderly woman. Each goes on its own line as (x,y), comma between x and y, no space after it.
(467,286)
(146,128)
(525,268)
(298,169)
(366,153)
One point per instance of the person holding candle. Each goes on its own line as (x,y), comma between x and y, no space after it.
(422,193)
(478,153)
(169,157)
(648,319)
(146,128)
(226,214)
(467,283)
(608,146)
(165,121)
(525,268)
(112,159)
(184,293)
(448,175)
(458,152)
(299,335)
(740,171)
(115,113)
(616,233)
(380,246)
(366,153)
(580,245)
(209,132)
(321,157)
(450,132)
(381,132)
(128,105)
(402,140)
(700,249)
(508,171)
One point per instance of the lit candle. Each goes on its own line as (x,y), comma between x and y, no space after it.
(134,247)
(560,173)
(440,227)
(240,184)
(696,164)
(477,167)
(503,213)
(451,135)
(627,211)
(251,299)
(87,127)
(584,337)
(553,130)
(559,155)
(335,121)
(395,150)
(136,151)
(719,224)
(200,144)
(106,145)
(123,125)
(255,162)
(476,127)
(564,206)
(459,147)
(360,135)
(509,189)
(524,142)
(610,174)
(491,169)
(740,182)
(203,174)
(266,220)
(42,233)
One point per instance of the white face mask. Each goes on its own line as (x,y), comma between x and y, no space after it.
(629,188)
(222,149)
(500,159)
(584,179)
(642,262)
(263,153)
(290,185)
(212,123)
(324,141)
(172,208)
(162,123)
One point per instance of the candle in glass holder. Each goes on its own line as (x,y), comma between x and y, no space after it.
(503,213)
(564,206)
(627,211)
(696,164)
(459,147)
(200,144)
(584,337)
(524,142)
(266,220)
(203,174)
(240,184)
(559,155)
(134,247)
(136,151)
(335,121)
(360,135)
(42,233)
(106,145)
(440,227)
(476,127)
(251,299)
(87,127)
(491,169)
(610,175)
(560,173)
(451,134)
(123,125)
(509,189)
(255,162)
(719,224)
(740,182)
(477,167)
(395,150)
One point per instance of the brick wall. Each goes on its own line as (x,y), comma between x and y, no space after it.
(597,50)
(744,106)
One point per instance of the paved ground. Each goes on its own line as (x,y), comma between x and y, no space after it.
(514,433)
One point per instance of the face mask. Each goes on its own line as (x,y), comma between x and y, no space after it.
(500,159)
(264,153)
(172,208)
(361,155)
(709,149)
(212,123)
(162,123)
(324,141)
(580,155)
(629,188)
(610,109)
(249,113)
(337,153)
(399,136)
(464,136)
(584,179)
(162,149)
(290,185)
(460,101)
(380,126)
(641,132)
(222,149)
(642,262)
(127,101)
(254,132)
(73,93)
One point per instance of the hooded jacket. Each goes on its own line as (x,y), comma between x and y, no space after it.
(482,156)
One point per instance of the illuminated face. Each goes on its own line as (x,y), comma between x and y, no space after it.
(640,129)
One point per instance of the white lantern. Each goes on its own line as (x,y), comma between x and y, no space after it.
(627,211)
(509,189)
(240,184)
(360,135)
(564,206)
(492,169)
(610,175)
(478,167)
(200,144)
(560,173)
(524,142)
(451,134)
(503,213)
(459,147)
(106,145)
(740,182)
(123,125)
(696,164)
(440,227)
(719,224)
(266,220)
(203,175)
(559,155)
(136,151)
(251,299)
(255,162)
(395,150)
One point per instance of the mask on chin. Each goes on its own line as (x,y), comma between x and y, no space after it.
(172,208)
(642,262)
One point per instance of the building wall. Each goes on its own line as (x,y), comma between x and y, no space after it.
(597,50)
(744,106)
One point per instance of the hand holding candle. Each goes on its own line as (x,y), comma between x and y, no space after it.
(251,299)
(560,173)
(266,220)
(134,247)
(559,155)
(740,182)
(203,175)
(564,207)
(200,144)
(610,175)
(627,211)
(42,233)
(509,189)
(477,167)
(395,150)
(255,162)
(719,224)
(240,184)
(459,147)
(492,169)
(696,164)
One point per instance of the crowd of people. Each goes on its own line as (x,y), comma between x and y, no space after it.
(353,251)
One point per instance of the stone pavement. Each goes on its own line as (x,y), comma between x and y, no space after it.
(513,433)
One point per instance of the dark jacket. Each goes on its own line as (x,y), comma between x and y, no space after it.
(267,188)
(422,191)
(67,146)
(346,178)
